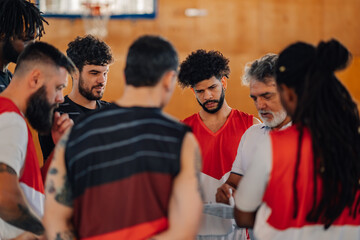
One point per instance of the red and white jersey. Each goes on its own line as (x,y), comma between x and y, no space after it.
(218,152)
(18,151)
(272,170)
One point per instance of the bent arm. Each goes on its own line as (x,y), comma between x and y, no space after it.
(58,201)
(13,207)
(251,189)
(185,202)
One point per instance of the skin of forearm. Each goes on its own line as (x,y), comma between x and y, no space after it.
(62,235)
(20,216)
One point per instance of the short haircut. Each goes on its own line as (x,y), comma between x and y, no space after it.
(149,57)
(260,69)
(44,53)
(21,19)
(202,65)
(89,50)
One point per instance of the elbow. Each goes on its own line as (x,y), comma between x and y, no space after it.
(244,219)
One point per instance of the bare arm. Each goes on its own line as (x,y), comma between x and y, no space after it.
(223,193)
(185,203)
(58,201)
(13,207)
(244,219)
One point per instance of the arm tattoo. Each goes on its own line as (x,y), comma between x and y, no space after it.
(6,168)
(27,221)
(64,139)
(53,171)
(50,188)
(198,164)
(67,235)
(64,195)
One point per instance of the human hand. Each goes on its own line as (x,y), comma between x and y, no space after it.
(61,123)
(224,193)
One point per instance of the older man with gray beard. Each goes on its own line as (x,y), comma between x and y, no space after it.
(260,76)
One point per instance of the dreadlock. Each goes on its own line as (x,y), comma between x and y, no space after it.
(20,18)
(326,108)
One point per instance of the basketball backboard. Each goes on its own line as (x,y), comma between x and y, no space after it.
(118,8)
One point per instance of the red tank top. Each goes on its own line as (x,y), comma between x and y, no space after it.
(219,149)
(279,192)
(30,174)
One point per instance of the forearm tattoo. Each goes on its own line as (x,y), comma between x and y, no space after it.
(67,235)
(64,196)
(27,221)
(6,168)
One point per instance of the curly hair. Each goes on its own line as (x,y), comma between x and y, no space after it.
(20,18)
(89,50)
(202,65)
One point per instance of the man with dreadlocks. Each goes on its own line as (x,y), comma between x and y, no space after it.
(218,129)
(310,188)
(20,24)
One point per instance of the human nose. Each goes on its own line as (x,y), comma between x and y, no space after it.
(208,95)
(59,97)
(102,79)
(260,104)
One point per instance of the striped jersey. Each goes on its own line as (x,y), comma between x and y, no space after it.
(121,164)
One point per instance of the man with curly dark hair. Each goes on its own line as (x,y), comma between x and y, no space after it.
(92,58)
(218,129)
(20,23)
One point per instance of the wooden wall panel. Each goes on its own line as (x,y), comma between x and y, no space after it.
(242,29)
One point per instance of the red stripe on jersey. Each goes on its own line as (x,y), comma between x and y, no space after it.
(141,231)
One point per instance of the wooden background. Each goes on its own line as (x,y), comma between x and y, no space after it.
(242,30)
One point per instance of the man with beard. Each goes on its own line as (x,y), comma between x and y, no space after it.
(20,24)
(34,92)
(310,188)
(260,75)
(128,171)
(217,127)
(92,58)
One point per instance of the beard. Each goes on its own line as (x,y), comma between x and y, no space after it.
(9,52)
(278,118)
(220,102)
(87,93)
(40,112)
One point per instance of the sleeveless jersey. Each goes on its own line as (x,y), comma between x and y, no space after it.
(280,223)
(121,164)
(30,177)
(218,152)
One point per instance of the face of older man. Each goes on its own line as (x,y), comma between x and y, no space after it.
(267,102)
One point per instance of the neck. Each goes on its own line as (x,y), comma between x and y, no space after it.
(16,93)
(286,121)
(140,97)
(76,97)
(223,112)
